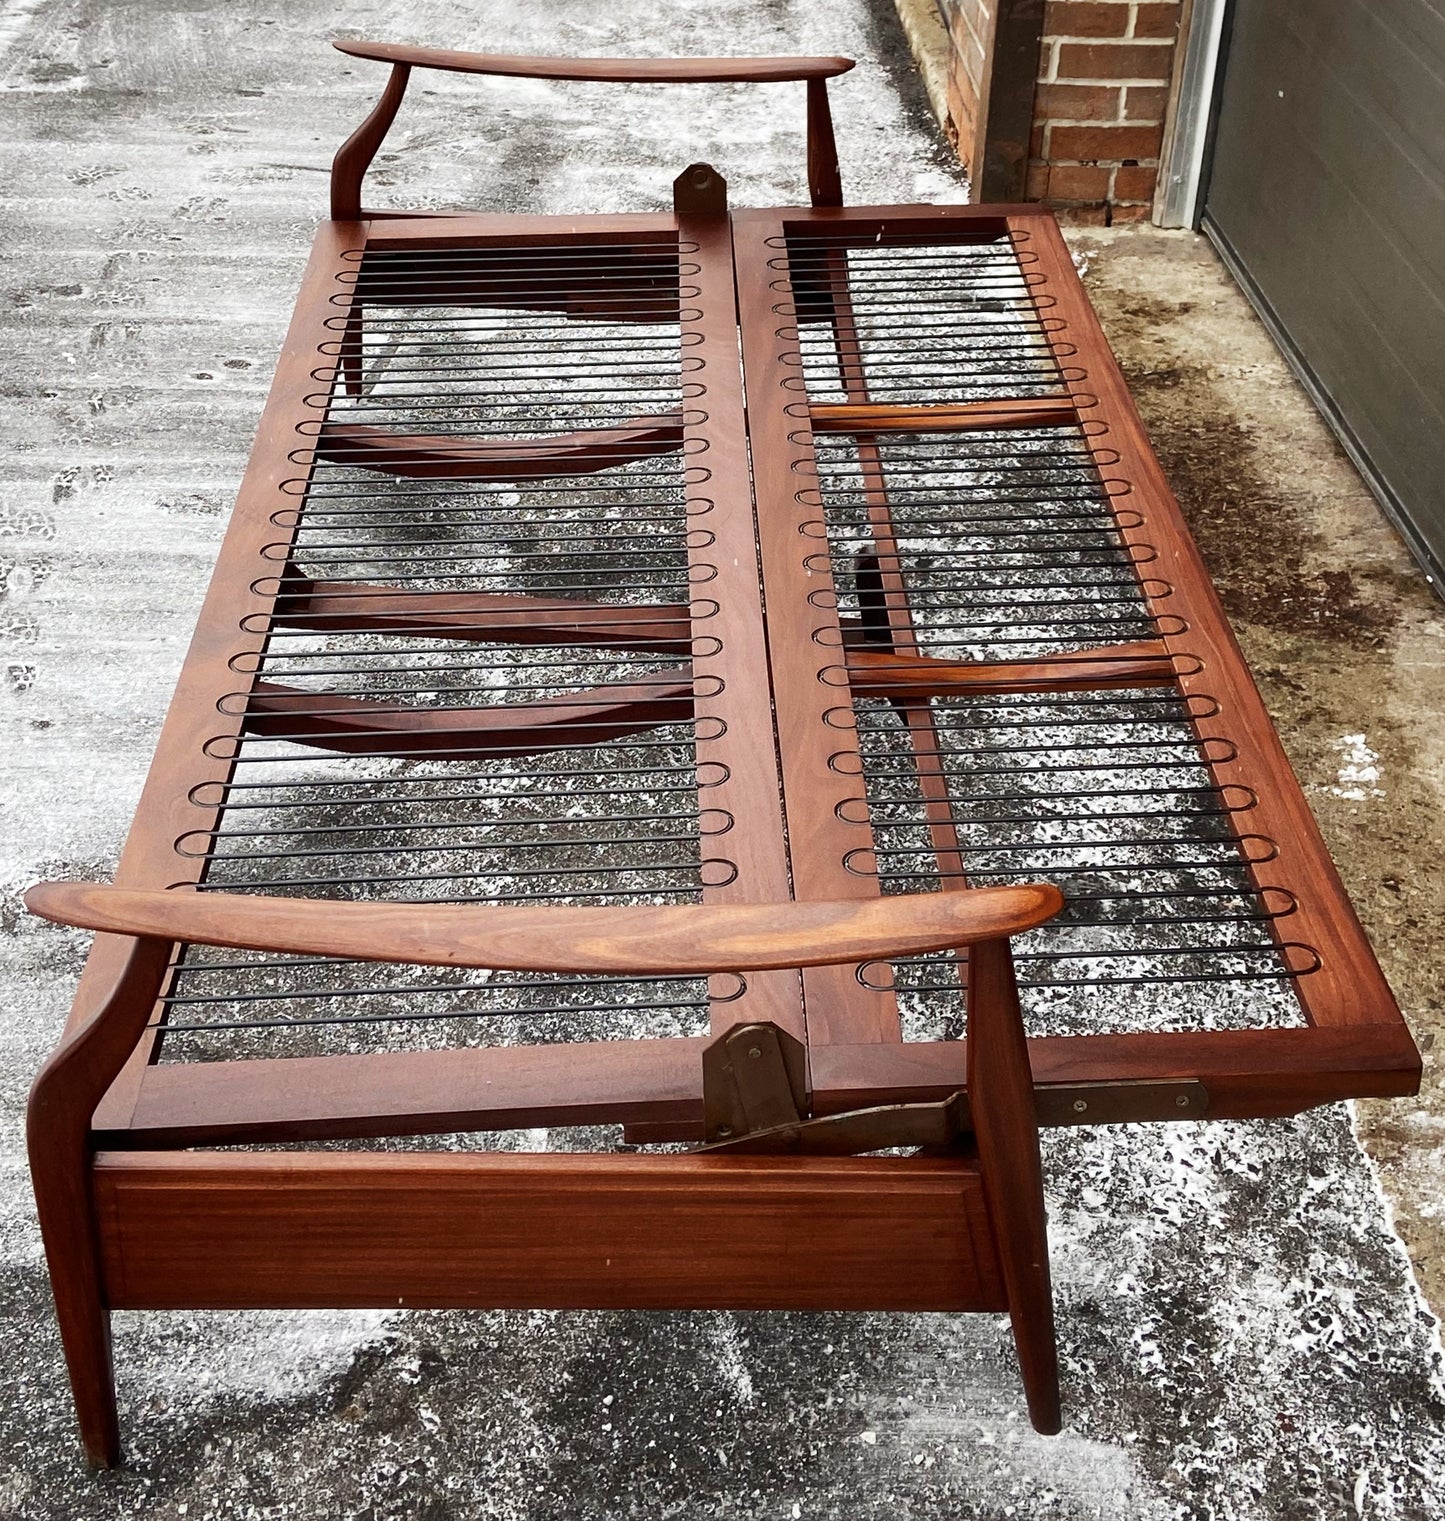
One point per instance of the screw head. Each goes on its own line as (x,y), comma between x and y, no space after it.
(1182,1100)
(1080,1105)
(725,1130)
(755,1052)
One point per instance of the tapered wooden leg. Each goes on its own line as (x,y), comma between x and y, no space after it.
(85,1335)
(68,1087)
(1000,1091)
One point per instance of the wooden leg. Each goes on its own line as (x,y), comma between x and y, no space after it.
(68,1087)
(1000,1091)
(84,1333)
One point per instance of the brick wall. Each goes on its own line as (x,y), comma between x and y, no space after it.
(1099,106)
(970,27)
(1104,70)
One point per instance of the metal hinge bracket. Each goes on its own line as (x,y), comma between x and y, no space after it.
(944,1123)
(754,1079)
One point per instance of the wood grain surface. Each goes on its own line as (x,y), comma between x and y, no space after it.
(671,938)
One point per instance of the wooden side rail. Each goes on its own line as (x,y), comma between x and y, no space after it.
(356,153)
(676,939)
(270,1229)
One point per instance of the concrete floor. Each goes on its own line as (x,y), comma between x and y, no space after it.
(1343,633)
(1241,1335)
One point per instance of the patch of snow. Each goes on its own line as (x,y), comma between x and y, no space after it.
(1359,772)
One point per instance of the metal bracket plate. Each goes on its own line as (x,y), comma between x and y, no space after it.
(943,1124)
(754,1080)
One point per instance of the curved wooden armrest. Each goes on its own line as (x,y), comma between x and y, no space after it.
(603,70)
(683,939)
(357,152)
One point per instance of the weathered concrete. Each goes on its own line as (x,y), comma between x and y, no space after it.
(1241,1337)
(1344,635)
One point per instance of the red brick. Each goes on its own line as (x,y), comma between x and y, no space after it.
(1156,21)
(1114,60)
(1056,102)
(1089,144)
(965,125)
(962,110)
(968,46)
(970,57)
(1036,182)
(1130,213)
(960,26)
(1084,216)
(955,96)
(1142,102)
(1036,141)
(1078,182)
(1135,182)
(1085,18)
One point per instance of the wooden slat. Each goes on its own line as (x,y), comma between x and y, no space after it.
(212,1231)
(487,617)
(958,417)
(369,726)
(826,808)
(435,456)
(879,673)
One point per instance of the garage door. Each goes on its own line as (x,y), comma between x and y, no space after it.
(1327,197)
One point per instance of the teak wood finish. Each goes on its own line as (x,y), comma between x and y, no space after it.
(780,638)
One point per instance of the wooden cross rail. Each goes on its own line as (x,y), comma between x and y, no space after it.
(686,673)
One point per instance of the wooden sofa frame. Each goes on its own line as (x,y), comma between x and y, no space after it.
(141,1202)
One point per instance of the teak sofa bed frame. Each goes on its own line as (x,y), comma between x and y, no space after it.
(636,608)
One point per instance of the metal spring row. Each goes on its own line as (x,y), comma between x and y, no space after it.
(514,343)
(1105,795)
(1005,541)
(618,821)
(926,322)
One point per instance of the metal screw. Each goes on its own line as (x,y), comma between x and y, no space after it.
(725,1130)
(755,1052)
(1080,1105)
(1182,1101)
